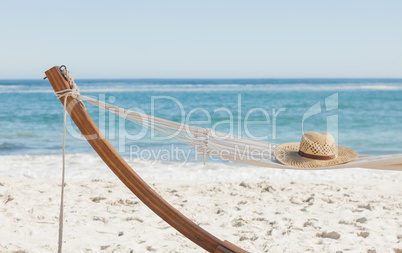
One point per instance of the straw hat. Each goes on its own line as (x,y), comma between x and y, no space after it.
(314,150)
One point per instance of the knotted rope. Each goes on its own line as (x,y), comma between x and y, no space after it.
(74,93)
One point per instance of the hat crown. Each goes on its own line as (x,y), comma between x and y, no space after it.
(320,144)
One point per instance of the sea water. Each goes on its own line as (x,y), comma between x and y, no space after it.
(363,114)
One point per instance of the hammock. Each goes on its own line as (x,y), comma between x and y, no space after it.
(234,148)
(206,141)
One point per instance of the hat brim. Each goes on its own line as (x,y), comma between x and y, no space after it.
(288,154)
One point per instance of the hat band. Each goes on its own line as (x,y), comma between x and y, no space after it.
(316,157)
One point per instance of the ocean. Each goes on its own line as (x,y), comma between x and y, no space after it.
(363,114)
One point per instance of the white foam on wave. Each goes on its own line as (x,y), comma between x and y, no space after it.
(91,166)
(26,91)
(220,87)
(212,88)
(381,87)
(11,86)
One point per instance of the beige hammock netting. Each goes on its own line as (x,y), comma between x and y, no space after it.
(234,148)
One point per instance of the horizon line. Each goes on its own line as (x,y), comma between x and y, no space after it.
(220,78)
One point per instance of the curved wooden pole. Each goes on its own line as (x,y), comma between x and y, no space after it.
(131,179)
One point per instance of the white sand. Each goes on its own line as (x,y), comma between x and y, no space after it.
(259,215)
(259,209)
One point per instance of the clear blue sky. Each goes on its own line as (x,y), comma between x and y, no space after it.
(202,39)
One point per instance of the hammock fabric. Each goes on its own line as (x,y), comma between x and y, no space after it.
(233,148)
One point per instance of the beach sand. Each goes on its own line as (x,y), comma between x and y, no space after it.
(260,215)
